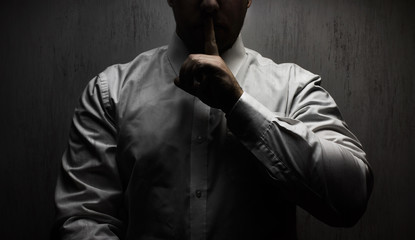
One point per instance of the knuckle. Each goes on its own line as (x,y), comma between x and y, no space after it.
(194,57)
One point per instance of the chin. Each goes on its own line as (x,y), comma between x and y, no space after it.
(225,44)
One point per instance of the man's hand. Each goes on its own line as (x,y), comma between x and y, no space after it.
(207,76)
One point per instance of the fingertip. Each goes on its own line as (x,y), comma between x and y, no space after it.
(211,47)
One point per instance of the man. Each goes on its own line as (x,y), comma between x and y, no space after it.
(226,150)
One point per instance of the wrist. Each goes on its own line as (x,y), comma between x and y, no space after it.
(232,100)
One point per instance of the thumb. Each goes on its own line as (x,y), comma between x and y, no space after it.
(211,48)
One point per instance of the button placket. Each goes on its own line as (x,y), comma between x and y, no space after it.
(198,170)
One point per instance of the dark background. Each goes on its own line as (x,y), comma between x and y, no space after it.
(50,49)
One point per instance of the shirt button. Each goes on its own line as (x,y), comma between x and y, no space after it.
(200,139)
(198,193)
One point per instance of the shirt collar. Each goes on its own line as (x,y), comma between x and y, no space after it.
(233,57)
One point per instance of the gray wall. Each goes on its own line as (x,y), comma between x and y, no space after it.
(364,50)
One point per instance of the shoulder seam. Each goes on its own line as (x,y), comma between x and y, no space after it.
(104,89)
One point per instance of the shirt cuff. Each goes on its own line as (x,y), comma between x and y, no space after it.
(248,119)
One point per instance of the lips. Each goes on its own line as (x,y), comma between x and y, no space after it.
(217,22)
(215,25)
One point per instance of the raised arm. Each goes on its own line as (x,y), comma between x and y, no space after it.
(309,152)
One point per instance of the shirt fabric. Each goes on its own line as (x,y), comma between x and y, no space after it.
(146,160)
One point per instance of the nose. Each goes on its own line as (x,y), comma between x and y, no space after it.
(209,6)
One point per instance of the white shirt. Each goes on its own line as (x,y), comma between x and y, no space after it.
(146,160)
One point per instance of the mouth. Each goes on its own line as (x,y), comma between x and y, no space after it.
(216,26)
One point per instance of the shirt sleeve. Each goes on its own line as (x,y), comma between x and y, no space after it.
(89,191)
(308,152)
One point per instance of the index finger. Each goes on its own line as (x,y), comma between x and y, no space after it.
(211,48)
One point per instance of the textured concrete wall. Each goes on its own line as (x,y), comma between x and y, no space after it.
(364,51)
